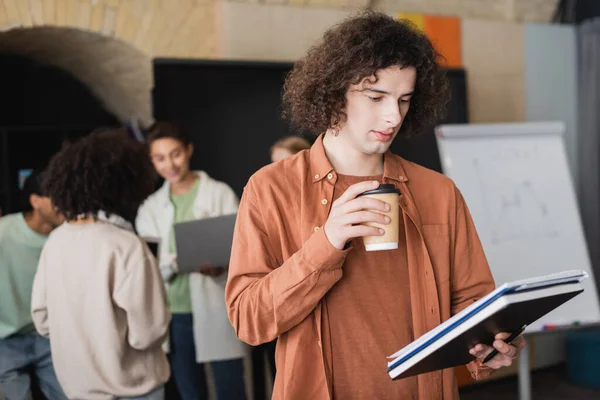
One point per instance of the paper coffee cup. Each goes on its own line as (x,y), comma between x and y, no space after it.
(389,240)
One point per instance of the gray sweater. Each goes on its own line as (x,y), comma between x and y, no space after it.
(99,296)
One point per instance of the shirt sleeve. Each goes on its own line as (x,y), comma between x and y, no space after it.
(265,299)
(141,294)
(39,310)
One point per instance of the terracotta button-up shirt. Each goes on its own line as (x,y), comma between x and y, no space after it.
(375,288)
(282,267)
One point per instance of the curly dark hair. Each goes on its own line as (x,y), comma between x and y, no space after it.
(106,170)
(314,95)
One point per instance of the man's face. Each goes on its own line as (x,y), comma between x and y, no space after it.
(375,110)
(171,159)
(44,207)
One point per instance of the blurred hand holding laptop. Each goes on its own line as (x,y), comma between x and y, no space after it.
(204,242)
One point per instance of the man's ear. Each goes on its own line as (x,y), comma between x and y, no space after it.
(190,149)
(34,200)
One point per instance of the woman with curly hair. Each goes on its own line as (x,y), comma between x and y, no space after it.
(299,270)
(98,293)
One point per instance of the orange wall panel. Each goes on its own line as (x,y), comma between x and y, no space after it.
(445,33)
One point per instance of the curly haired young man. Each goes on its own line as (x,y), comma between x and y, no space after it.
(299,270)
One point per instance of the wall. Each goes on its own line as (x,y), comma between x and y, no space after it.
(119,75)
(279,32)
(551,81)
(551,94)
(193,28)
(188,28)
(167,28)
(494,59)
(119,71)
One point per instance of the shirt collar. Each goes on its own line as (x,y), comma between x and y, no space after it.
(320,165)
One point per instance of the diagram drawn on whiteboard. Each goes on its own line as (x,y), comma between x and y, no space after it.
(515,211)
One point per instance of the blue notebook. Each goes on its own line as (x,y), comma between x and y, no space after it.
(506,309)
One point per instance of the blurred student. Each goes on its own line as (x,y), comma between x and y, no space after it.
(23,352)
(288,146)
(98,293)
(200,331)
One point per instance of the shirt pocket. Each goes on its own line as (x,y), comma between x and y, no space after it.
(437,240)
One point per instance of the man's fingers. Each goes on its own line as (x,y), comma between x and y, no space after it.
(363,230)
(364,203)
(361,217)
(506,349)
(519,343)
(502,336)
(481,351)
(500,360)
(506,353)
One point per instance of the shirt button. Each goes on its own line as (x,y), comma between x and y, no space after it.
(316,228)
(317,176)
(329,175)
(324,201)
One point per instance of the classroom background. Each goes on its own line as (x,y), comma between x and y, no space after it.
(217,68)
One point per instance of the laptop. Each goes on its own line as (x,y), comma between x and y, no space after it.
(204,241)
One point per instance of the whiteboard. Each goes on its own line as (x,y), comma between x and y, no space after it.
(517,185)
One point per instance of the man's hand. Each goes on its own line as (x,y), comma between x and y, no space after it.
(506,352)
(348,213)
(210,270)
